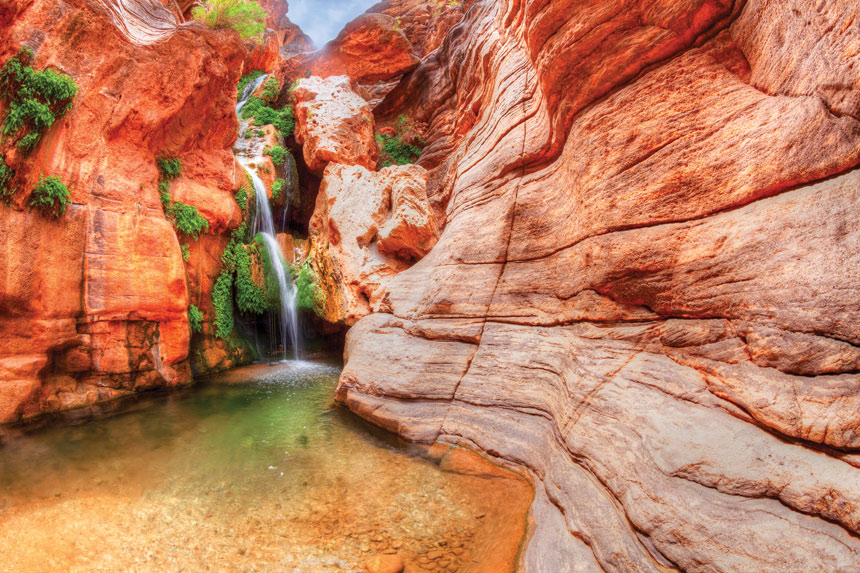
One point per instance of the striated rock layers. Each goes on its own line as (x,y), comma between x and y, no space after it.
(94,305)
(645,293)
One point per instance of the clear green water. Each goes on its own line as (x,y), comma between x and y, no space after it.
(255,469)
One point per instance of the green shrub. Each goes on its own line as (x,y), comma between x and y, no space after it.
(6,175)
(35,99)
(249,296)
(169,167)
(242,198)
(282,119)
(272,290)
(277,153)
(195,318)
(246,79)
(246,17)
(51,197)
(395,152)
(187,219)
(285,122)
(185,253)
(222,300)
(164,194)
(396,149)
(271,89)
(309,295)
(277,187)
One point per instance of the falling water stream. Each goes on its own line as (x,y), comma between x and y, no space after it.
(248,157)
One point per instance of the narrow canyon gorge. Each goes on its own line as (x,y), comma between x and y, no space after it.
(612,247)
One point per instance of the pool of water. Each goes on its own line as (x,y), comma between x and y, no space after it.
(256,470)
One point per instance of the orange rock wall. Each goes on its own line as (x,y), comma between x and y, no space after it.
(94,305)
(645,292)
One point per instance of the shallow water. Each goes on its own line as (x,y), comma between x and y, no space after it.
(252,470)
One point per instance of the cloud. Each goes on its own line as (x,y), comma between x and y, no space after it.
(322,20)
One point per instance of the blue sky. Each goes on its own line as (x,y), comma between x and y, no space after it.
(323,19)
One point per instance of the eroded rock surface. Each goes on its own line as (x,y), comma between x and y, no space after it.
(367,227)
(333,123)
(645,288)
(94,305)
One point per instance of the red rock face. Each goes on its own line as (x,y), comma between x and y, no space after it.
(425,23)
(94,305)
(645,292)
(334,124)
(372,51)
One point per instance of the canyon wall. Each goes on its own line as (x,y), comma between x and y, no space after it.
(645,290)
(93,305)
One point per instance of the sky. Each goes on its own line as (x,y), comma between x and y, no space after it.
(322,20)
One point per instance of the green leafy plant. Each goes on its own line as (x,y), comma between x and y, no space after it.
(6,175)
(246,79)
(187,219)
(35,99)
(164,194)
(309,295)
(222,300)
(272,290)
(271,89)
(195,318)
(185,253)
(286,121)
(278,187)
(51,197)
(277,153)
(245,16)
(242,198)
(169,167)
(282,119)
(396,149)
(237,259)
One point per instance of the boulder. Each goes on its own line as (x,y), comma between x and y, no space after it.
(367,227)
(334,124)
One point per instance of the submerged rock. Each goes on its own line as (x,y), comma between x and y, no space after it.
(384,563)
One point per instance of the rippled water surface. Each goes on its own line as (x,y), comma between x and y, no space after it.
(252,470)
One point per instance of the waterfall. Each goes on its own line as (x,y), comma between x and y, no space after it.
(265,226)
(246,95)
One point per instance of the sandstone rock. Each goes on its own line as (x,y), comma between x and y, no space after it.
(370,49)
(369,225)
(99,296)
(334,124)
(384,563)
(264,55)
(644,291)
(425,24)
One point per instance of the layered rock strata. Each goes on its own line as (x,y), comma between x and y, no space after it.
(94,305)
(644,293)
